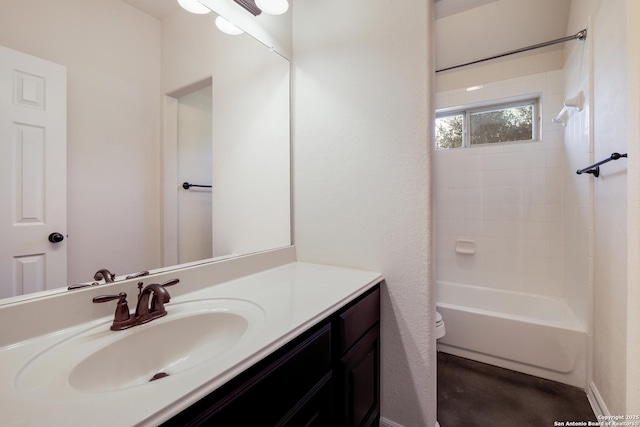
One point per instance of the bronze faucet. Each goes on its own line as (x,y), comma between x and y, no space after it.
(105,274)
(108,278)
(146,310)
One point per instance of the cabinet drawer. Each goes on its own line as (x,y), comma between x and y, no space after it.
(358,319)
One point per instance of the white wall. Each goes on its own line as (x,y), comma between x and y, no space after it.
(610,206)
(187,51)
(195,163)
(633,208)
(187,65)
(362,131)
(506,197)
(493,28)
(112,53)
(251,151)
(578,189)
(616,338)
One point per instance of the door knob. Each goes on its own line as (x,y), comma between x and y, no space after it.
(56,237)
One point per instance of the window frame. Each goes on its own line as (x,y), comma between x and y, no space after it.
(466,111)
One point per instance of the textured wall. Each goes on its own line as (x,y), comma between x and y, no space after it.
(610,206)
(362,128)
(633,200)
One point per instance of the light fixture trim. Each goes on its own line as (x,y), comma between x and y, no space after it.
(273,7)
(194,6)
(249,6)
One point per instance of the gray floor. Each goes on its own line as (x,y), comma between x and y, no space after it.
(476,394)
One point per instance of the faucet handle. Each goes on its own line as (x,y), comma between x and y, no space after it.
(170,282)
(122,309)
(106,298)
(136,275)
(81,285)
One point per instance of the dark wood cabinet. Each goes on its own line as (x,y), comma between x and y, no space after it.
(358,396)
(315,409)
(327,377)
(360,382)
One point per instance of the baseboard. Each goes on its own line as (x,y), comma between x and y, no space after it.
(388,423)
(596,401)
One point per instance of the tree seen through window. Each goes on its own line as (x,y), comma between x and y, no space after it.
(502,123)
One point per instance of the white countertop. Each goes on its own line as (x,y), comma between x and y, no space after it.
(291,298)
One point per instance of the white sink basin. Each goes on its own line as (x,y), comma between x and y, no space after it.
(101,360)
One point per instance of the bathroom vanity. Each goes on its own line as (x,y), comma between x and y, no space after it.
(259,340)
(329,376)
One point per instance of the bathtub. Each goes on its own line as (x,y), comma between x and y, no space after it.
(528,333)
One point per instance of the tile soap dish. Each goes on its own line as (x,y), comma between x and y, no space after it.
(464,246)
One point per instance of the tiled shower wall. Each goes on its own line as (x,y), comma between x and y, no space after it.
(579,191)
(508,198)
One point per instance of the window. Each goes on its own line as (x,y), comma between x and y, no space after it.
(449,131)
(490,124)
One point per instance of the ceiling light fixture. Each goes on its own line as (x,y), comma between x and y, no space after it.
(227,27)
(250,6)
(273,7)
(194,6)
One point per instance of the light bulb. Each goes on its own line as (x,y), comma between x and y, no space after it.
(227,27)
(273,7)
(194,6)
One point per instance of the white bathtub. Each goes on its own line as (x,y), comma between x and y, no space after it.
(529,333)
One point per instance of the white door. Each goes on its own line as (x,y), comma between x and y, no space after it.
(33,173)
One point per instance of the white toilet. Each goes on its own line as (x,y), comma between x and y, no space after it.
(440,331)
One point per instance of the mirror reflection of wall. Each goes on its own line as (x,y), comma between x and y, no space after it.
(251,160)
(195,167)
(120,60)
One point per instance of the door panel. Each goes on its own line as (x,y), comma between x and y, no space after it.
(33,173)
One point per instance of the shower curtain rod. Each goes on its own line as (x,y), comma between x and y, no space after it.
(581,35)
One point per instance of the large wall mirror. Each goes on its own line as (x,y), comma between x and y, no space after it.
(155,97)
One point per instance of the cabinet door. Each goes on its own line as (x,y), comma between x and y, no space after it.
(360,369)
(315,410)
